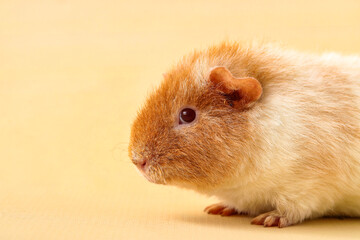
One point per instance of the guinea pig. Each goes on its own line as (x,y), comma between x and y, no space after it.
(273,133)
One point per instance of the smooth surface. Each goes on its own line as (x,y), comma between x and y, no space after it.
(72,76)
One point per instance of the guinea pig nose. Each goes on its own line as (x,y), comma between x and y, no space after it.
(142,164)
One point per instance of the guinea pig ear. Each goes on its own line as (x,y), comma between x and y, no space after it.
(239,92)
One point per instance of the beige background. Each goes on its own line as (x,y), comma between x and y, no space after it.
(72,76)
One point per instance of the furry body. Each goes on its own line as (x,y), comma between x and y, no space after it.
(294,154)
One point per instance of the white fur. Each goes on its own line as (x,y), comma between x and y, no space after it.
(304,164)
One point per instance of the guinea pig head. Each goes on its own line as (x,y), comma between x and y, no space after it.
(193,129)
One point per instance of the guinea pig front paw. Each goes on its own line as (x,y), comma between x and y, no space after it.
(271,219)
(221,209)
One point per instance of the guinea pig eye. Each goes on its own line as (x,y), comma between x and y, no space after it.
(187,115)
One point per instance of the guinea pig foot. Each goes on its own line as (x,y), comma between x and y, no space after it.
(271,219)
(220,209)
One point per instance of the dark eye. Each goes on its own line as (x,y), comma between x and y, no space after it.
(187,115)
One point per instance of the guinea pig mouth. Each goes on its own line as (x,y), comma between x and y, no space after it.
(146,176)
(152,174)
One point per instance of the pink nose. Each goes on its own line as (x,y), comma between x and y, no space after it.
(142,164)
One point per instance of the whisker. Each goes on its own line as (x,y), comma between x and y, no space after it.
(162,175)
(120,153)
